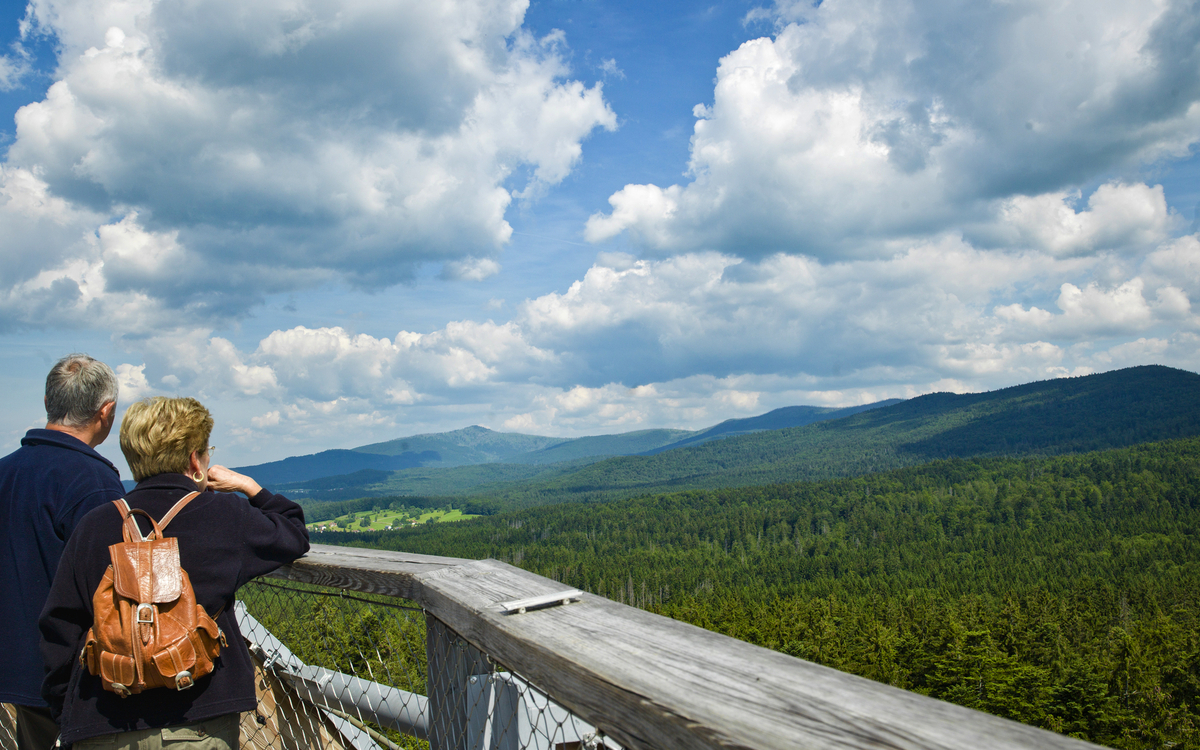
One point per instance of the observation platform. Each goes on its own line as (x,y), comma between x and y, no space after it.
(370,650)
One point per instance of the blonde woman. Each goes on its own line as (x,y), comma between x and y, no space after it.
(225,540)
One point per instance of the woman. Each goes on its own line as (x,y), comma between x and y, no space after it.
(224,541)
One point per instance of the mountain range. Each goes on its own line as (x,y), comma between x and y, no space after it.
(478,445)
(1066,415)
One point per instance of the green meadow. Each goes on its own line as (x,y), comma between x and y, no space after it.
(388,518)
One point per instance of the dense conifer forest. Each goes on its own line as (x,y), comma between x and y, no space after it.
(1062,592)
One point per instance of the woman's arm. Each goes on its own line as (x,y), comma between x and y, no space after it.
(273,526)
(222,479)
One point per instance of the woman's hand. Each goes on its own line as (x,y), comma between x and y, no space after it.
(222,479)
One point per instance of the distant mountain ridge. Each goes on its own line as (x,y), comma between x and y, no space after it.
(1069,415)
(788,416)
(470,445)
(627,443)
(476,445)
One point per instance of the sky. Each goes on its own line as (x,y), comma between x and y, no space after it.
(337,222)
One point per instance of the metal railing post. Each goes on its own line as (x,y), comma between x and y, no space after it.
(452,662)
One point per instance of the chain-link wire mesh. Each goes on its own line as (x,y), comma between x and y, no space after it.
(8,727)
(478,704)
(334,669)
(338,669)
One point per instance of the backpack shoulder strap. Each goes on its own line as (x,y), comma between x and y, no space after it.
(130,528)
(162,524)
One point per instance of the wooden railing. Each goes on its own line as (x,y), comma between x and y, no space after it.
(651,682)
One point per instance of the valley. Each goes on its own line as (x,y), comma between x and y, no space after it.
(1033,552)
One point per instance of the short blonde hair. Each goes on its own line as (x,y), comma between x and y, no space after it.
(159,435)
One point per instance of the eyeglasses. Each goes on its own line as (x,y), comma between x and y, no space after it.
(211,450)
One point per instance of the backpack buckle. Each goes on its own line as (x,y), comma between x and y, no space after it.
(184,680)
(149,608)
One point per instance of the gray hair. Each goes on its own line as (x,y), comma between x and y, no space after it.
(76,388)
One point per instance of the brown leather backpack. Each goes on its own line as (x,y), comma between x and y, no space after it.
(148,631)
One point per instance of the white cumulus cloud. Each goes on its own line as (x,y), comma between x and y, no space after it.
(689,340)
(882,199)
(286,143)
(1117,217)
(861,124)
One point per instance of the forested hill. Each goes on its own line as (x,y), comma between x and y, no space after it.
(777,419)
(1067,415)
(1063,592)
(961,526)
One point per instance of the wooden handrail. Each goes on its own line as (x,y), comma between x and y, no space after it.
(652,682)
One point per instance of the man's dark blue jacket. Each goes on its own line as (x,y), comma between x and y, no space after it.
(46,487)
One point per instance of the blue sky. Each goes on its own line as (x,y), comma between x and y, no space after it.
(339,221)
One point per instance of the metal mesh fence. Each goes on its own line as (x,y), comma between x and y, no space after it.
(334,669)
(8,727)
(338,669)
(341,670)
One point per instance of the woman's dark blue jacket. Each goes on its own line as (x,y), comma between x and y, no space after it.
(224,541)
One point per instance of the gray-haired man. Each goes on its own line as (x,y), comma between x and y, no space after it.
(46,486)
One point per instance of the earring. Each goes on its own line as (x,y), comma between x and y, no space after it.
(198,477)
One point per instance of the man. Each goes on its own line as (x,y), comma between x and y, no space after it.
(46,486)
